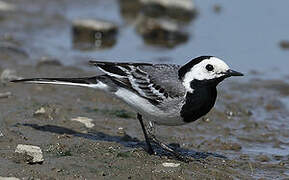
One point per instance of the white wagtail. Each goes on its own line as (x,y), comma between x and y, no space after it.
(164,94)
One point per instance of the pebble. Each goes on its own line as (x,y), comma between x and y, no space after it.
(284,44)
(93,33)
(217,8)
(48,61)
(8,75)
(230,113)
(168,164)
(180,9)
(40,111)
(5,6)
(262,158)
(46,112)
(86,121)
(129,9)
(9,178)
(167,167)
(121,131)
(231,146)
(33,151)
(147,24)
(5,95)
(187,5)
(94,24)
(160,31)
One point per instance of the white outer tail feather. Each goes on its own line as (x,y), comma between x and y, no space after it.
(100,85)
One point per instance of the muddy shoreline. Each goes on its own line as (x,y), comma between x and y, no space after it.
(113,148)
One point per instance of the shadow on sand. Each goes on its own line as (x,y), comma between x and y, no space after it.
(125,140)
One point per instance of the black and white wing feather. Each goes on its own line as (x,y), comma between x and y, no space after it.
(155,82)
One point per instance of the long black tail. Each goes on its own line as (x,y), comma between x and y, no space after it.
(86,81)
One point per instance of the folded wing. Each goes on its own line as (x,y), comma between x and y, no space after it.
(155,82)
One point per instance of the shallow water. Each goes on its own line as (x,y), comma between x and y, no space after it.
(246,34)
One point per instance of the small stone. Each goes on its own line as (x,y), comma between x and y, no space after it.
(44,61)
(161,32)
(180,9)
(230,113)
(262,158)
(167,167)
(217,8)
(121,131)
(34,151)
(168,164)
(86,121)
(5,95)
(284,44)
(64,136)
(129,9)
(5,6)
(93,33)
(46,111)
(244,157)
(231,146)
(40,111)
(8,75)
(9,178)
(184,4)
(206,119)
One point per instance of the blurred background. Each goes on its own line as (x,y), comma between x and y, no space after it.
(57,38)
(250,36)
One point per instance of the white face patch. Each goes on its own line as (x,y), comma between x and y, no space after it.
(200,72)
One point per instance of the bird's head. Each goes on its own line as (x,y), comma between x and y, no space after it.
(205,71)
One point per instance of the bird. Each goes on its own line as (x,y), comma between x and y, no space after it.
(162,94)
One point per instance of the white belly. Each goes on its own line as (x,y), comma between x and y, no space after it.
(149,111)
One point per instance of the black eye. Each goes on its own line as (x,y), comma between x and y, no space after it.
(209,67)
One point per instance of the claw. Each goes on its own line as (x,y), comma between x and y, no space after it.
(175,153)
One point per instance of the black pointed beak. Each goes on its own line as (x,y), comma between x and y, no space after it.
(231,72)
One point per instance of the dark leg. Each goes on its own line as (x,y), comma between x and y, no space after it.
(149,146)
(164,146)
(178,155)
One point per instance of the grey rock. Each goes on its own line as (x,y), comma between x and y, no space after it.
(93,33)
(86,121)
(182,4)
(45,60)
(167,167)
(8,75)
(5,6)
(5,95)
(180,9)
(129,9)
(170,164)
(33,151)
(9,178)
(160,31)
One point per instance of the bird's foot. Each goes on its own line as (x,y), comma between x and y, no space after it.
(167,148)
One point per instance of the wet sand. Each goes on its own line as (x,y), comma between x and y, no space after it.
(244,137)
